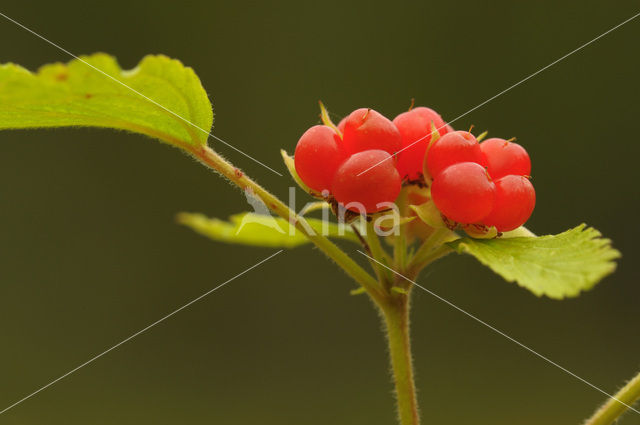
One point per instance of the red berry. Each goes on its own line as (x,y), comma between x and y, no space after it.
(318,155)
(415,129)
(464,192)
(341,124)
(366,129)
(452,148)
(379,184)
(504,158)
(515,200)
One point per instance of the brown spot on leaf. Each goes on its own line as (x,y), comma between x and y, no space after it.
(88,96)
(63,76)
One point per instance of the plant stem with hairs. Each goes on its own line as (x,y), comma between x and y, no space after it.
(396,317)
(394,306)
(613,408)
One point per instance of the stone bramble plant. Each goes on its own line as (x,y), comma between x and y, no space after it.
(407,191)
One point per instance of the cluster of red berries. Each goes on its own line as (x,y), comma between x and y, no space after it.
(357,164)
(362,163)
(481,183)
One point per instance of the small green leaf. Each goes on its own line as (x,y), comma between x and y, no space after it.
(259,230)
(557,266)
(399,290)
(428,213)
(77,94)
(358,291)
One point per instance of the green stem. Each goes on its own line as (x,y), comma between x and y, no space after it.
(425,252)
(211,159)
(396,316)
(395,307)
(377,252)
(435,254)
(374,243)
(400,242)
(612,409)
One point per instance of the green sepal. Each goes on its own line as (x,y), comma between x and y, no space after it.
(428,213)
(379,218)
(480,231)
(290,163)
(326,119)
(519,232)
(358,291)
(399,290)
(435,135)
(314,206)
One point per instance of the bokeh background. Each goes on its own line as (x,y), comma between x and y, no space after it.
(90,252)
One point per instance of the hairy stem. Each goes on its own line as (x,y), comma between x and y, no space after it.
(379,254)
(396,316)
(211,159)
(428,258)
(395,307)
(425,252)
(400,242)
(613,409)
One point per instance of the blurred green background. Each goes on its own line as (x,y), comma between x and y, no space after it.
(90,252)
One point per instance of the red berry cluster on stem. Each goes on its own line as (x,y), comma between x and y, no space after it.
(362,163)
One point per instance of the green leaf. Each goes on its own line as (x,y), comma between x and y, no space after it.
(77,94)
(259,230)
(557,266)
